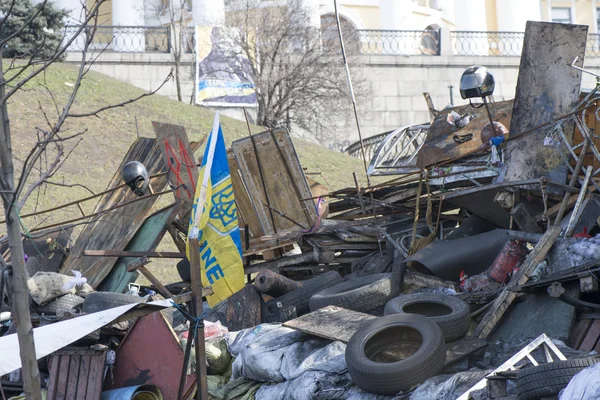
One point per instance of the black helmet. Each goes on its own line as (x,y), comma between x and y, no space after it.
(476,81)
(136,177)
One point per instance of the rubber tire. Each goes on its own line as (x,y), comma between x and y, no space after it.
(183,268)
(359,294)
(100,301)
(549,379)
(454,325)
(300,297)
(391,378)
(61,304)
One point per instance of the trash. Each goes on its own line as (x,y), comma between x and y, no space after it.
(78,280)
(46,286)
(140,392)
(217,356)
(457,120)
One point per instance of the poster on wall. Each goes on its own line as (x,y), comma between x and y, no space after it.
(223,75)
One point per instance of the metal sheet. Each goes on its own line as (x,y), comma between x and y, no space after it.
(447,258)
(150,354)
(547,88)
(145,239)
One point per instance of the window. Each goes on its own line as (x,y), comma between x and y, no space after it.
(562,15)
(598,17)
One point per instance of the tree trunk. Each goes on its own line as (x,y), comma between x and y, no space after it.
(20,297)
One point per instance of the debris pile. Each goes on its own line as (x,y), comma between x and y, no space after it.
(472,274)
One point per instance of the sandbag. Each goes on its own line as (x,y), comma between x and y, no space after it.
(217,356)
(448,387)
(46,286)
(585,385)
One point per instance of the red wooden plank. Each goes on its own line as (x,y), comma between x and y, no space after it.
(84,374)
(579,332)
(75,361)
(589,342)
(63,378)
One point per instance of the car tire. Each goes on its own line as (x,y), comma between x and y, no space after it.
(451,314)
(100,301)
(61,304)
(300,297)
(549,379)
(359,294)
(389,378)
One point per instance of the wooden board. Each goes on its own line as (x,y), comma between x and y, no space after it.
(146,238)
(336,323)
(115,229)
(506,298)
(547,88)
(591,338)
(76,373)
(245,209)
(284,179)
(440,145)
(579,332)
(179,161)
(154,359)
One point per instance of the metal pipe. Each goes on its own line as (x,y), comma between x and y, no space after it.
(362,146)
(582,193)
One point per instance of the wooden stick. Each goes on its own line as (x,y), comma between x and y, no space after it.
(414,231)
(196,275)
(505,299)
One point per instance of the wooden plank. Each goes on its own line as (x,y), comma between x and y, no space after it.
(416,278)
(95,377)
(54,366)
(285,192)
(336,323)
(84,374)
(525,221)
(134,254)
(181,167)
(547,88)
(502,302)
(115,229)
(440,145)
(146,238)
(75,362)
(591,337)
(63,378)
(247,214)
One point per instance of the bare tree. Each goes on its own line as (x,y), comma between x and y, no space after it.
(295,67)
(177,15)
(15,73)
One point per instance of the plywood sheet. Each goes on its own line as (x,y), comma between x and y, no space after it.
(114,229)
(547,88)
(181,166)
(284,179)
(440,145)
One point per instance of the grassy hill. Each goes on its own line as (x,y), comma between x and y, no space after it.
(108,136)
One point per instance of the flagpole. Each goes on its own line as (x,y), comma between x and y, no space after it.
(196,271)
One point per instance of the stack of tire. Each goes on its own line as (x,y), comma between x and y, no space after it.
(425,320)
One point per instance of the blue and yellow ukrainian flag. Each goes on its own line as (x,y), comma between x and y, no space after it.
(217,226)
